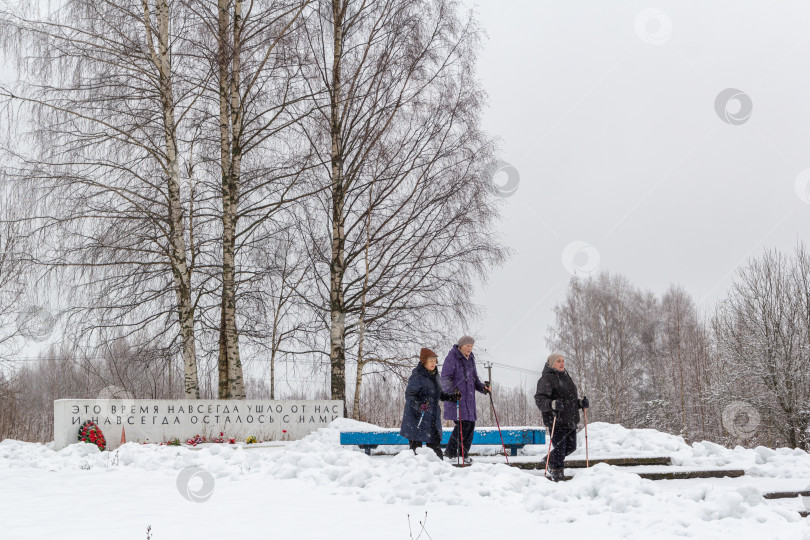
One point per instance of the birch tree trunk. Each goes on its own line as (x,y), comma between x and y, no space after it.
(337,267)
(361,362)
(181,271)
(230,365)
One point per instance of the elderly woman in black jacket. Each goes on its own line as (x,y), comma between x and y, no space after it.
(422,419)
(556,397)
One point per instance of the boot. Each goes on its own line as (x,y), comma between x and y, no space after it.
(557,475)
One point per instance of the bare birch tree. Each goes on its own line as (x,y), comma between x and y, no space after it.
(259,89)
(106,87)
(400,110)
(684,359)
(277,320)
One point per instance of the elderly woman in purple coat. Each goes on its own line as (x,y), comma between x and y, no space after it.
(458,372)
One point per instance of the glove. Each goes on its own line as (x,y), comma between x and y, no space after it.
(456,394)
(423,407)
(445,396)
(487,388)
(557,406)
(584,403)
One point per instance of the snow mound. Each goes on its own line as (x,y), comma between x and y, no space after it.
(614,440)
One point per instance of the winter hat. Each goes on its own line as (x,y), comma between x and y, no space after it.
(465,340)
(425,353)
(553,358)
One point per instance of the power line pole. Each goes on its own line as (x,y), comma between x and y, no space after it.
(488,365)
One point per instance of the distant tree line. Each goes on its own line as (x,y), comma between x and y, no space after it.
(735,373)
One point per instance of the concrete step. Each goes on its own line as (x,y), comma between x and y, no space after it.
(581,464)
(621,462)
(665,475)
(786,494)
(683,475)
(789,495)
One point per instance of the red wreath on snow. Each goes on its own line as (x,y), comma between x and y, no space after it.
(91,433)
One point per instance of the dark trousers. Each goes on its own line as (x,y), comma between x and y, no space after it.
(454,444)
(563,443)
(436,447)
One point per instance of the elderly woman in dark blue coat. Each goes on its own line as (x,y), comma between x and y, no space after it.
(422,420)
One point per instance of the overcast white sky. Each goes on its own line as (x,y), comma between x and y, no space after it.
(607,112)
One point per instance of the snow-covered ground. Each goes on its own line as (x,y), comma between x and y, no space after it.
(317,489)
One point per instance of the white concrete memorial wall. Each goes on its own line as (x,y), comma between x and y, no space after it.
(161,420)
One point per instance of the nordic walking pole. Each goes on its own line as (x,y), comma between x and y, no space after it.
(553,425)
(460,429)
(587,463)
(498,424)
(458,413)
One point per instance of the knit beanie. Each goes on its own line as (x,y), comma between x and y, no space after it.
(553,358)
(465,340)
(425,353)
